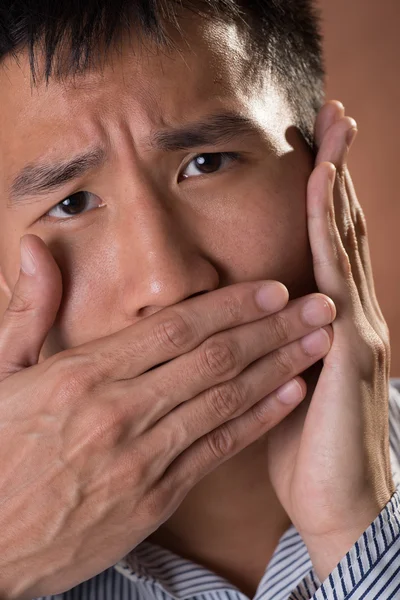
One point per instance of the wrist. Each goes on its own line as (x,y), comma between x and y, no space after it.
(326,553)
(327,550)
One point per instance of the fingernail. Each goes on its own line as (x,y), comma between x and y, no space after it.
(28,264)
(317,312)
(316,343)
(351,135)
(272,297)
(290,393)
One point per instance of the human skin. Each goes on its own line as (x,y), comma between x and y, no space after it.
(245,223)
(156,242)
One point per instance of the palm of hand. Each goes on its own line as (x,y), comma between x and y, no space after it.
(329,460)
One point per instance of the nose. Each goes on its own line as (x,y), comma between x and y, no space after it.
(162,263)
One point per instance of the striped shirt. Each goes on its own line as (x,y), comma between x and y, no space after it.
(371,569)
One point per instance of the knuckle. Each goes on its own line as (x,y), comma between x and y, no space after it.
(154,504)
(283,363)
(279,329)
(176,436)
(221,442)
(136,467)
(263,413)
(225,400)
(372,354)
(361,223)
(109,427)
(351,241)
(19,304)
(173,333)
(380,352)
(233,309)
(219,358)
(345,264)
(70,377)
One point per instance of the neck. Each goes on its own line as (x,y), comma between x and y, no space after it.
(231,521)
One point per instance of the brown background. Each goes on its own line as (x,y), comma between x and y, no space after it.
(363,60)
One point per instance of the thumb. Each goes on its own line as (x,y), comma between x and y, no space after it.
(32,309)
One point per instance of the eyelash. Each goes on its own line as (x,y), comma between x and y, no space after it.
(233,156)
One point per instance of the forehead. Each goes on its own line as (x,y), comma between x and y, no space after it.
(208,62)
(139,88)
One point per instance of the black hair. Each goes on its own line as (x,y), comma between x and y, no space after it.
(283,35)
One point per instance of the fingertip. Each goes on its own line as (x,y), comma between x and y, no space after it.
(32,243)
(45,263)
(332,306)
(338,105)
(331,112)
(329,331)
(291,393)
(322,171)
(331,172)
(351,136)
(284,289)
(351,122)
(272,296)
(44,279)
(28,262)
(302,384)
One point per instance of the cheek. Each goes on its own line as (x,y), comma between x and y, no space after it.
(90,292)
(262,234)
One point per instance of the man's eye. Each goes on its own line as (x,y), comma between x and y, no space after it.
(81,202)
(204,164)
(73,205)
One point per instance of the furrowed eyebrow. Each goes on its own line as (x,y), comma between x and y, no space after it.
(210,131)
(38,179)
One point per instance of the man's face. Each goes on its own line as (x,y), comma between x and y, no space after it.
(159,221)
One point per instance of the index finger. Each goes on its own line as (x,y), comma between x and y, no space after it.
(332,111)
(178,329)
